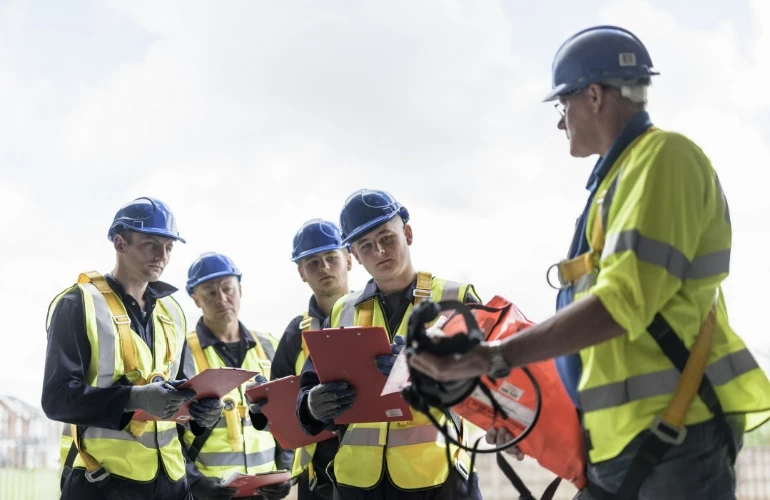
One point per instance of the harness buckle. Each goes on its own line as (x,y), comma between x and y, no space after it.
(562,284)
(460,466)
(419,292)
(121,319)
(98,475)
(668,433)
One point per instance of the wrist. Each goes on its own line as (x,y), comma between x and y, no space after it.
(497,365)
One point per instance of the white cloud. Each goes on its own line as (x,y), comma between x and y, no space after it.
(250,120)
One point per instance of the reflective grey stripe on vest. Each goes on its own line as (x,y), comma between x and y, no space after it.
(105,333)
(451,291)
(230,459)
(585,282)
(266,344)
(170,305)
(165,437)
(412,435)
(348,312)
(662,382)
(315,324)
(666,256)
(361,437)
(304,458)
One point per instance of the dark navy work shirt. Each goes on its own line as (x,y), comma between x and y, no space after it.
(66,396)
(570,367)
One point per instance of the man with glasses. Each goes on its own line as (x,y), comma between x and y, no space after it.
(640,314)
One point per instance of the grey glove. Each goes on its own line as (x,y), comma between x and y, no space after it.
(275,491)
(210,488)
(385,363)
(159,399)
(207,411)
(256,406)
(327,401)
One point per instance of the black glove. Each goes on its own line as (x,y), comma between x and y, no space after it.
(160,399)
(385,363)
(256,406)
(275,491)
(206,411)
(327,401)
(210,488)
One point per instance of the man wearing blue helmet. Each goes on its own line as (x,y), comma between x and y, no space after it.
(116,345)
(221,340)
(323,263)
(641,315)
(405,461)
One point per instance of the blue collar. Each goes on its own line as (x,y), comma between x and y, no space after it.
(372,290)
(207,338)
(633,129)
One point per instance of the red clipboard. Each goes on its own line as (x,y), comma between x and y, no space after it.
(249,484)
(210,383)
(281,411)
(348,354)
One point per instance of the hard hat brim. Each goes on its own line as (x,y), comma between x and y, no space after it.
(191,287)
(556,92)
(308,253)
(369,226)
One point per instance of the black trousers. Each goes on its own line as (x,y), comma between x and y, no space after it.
(454,488)
(77,487)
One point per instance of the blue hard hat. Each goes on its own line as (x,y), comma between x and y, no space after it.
(146,215)
(366,209)
(209,266)
(315,236)
(598,54)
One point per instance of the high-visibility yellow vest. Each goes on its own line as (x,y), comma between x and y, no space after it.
(234,445)
(413,452)
(117,351)
(660,236)
(303,457)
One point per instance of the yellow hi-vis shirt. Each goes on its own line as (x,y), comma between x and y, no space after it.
(667,250)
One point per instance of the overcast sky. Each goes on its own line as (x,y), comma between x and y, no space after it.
(249,118)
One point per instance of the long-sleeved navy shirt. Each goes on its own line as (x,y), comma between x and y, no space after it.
(66,396)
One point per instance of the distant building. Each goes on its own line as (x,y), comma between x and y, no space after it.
(28,440)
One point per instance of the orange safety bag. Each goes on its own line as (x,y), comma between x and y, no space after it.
(556,440)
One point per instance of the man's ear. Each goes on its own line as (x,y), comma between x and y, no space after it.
(349,260)
(355,254)
(195,299)
(408,234)
(119,243)
(301,272)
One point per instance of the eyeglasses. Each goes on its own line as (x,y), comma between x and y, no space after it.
(561,106)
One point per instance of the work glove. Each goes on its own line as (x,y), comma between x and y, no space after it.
(499,437)
(210,488)
(256,406)
(327,401)
(206,412)
(275,491)
(160,399)
(385,363)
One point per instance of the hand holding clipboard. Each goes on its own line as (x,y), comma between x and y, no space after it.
(349,354)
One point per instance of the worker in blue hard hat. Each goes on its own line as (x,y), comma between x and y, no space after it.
(323,262)
(219,340)
(116,345)
(640,313)
(407,460)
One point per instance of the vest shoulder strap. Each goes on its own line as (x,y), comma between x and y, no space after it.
(422,290)
(195,348)
(123,323)
(265,348)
